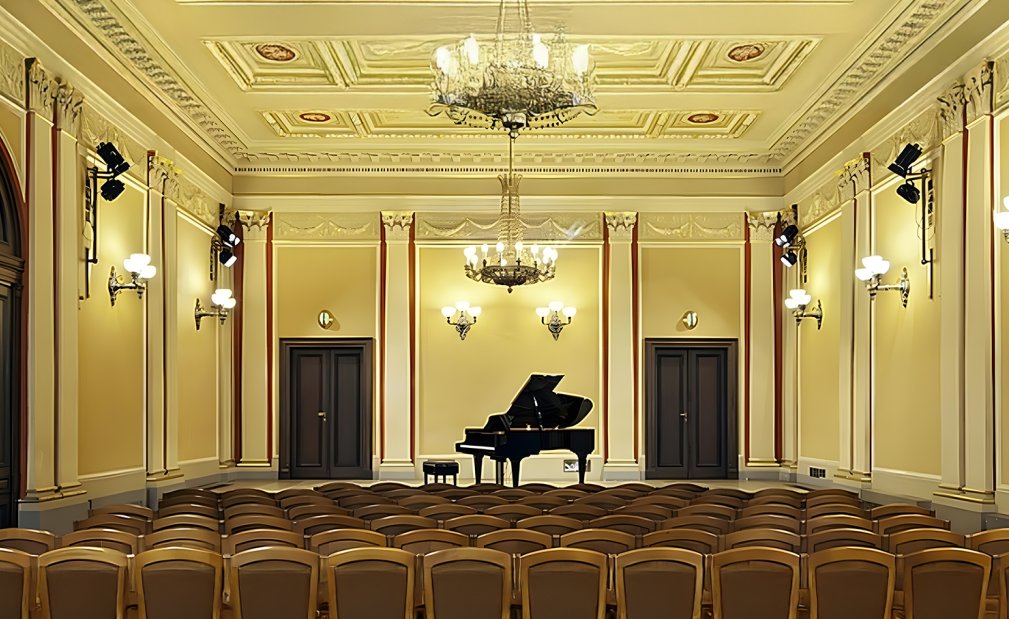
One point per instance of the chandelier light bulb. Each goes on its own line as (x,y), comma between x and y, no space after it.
(541,54)
(441,58)
(535,250)
(462,306)
(556,306)
(580,59)
(472,49)
(475,311)
(499,247)
(484,248)
(469,252)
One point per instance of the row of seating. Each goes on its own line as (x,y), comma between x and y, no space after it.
(468,583)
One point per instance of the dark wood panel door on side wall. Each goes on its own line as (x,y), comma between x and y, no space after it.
(326,409)
(690,409)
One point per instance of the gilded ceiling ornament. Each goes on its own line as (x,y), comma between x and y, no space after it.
(703,118)
(315,117)
(749,51)
(276,52)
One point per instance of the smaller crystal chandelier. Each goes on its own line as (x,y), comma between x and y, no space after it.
(511,262)
(463,316)
(551,317)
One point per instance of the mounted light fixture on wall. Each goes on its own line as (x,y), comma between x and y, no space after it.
(901,166)
(140,269)
(112,188)
(222,302)
(1002,219)
(797,301)
(872,271)
(222,245)
(462,317)
(551,317)
(793,244)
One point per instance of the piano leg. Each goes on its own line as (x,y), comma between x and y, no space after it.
(515,470)
(478,466)
(582,459)
(499,472)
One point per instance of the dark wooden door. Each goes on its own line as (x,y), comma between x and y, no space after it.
(8,411)
(327,392)
(13,356)
(690,410)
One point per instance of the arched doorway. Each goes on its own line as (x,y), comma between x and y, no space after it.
(12,352)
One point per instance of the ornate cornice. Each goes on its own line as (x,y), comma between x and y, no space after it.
(327,227)
(952,109)
(762,225)
(69,106)
(979,91)
(163,175)
(40,91)
(820,204)
(12,73)
(197,203)
(620,226)
(691,227)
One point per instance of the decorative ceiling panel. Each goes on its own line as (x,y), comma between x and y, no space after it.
(405,63)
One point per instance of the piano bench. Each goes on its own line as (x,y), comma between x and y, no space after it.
(442,468)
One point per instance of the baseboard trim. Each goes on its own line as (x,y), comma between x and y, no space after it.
(622,472)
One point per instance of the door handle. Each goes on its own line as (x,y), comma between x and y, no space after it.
(683,416)
(322,415)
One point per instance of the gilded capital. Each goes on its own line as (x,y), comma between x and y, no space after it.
(952,106)
(68,107)
(162,175)
(856,175)
(762,225)
(41,89)
(255,223)
(621,225)
(397,224)
(979,91)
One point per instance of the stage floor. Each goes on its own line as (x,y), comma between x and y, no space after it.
(273,485)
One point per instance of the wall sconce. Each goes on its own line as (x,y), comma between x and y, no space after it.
(462,317)
(140,268)
(551,317)
(223,302)
(689,320)
(1002,219)
(874,268)
(797,301)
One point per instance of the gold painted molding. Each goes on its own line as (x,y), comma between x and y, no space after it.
(12,74)
(557,227)
(327,226)
(680,227)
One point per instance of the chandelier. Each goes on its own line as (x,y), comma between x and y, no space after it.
(511,262)
(515,81)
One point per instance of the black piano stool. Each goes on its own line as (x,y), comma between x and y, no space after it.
(444,468)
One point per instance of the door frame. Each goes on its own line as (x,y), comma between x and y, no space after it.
(13,271)
(365,345)
(652,347)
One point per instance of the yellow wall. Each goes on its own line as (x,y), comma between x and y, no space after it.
(707,280)
(197,350)
(111,366)
(819,350)
(462,382)
(906,365)
(340,279)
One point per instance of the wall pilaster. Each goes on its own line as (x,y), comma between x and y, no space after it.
(621,461)
(398,427)
(858,220)
(761,344)
(255,349)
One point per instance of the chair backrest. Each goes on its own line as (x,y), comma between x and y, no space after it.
(484,501)
(288,493)
(83,583)
(455,494)
(991,542)
(387,486)
(708,509)
(587,487)
(403,493)
(896,509)
(568,494)
(247,499)
(736,493)
(136,526)
(767,538)
(659,582)
(193,509)
(514,512)
(328,542)
(513,494)
(121,541)
(475,524)
(179,582)
(840,537)
(256,509)
(945,583)
(606,541)
(755,583)
(842,521)
(31,541)
(256,521)
(423,541)
(836,574)
(539,487)
(544,502)
(788,493)
(625,494)
(260,538)
(551,525)
(895,524)
(185,537)
(656,513)
(719,499)
(125,509)
(695,540)
(273,582)
(364,500)
(343,492)
(636,486)
(831,499)
(671,502)
(394,525)
(628,523)
(195,494)
(776,509)
(711,524)
(378,583)
(16,574)
(563,582)
(334,486)
(305,499)
(420,501)
(446,511)
(678,491)
(373,512)
(247,492)
(515,541)
(485,487)
(767,521)
(300,512)
(186,520)
(579,511)
(831,509)
(468,583)
(818,493)
(794,500)
(315,524)
(913,540)
(209,502)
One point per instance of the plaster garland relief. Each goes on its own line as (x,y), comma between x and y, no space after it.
(924,130)
(1000,76)
(557,228)
(327,227)
(12,74)
(675,227)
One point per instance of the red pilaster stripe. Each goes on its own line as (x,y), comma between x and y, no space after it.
(269,341)
(238,320)
(382,249)
(993,207)
(605,391)
(164,346)
(779,294)
(965,150)
(635,330)
(55,154)
(747,289)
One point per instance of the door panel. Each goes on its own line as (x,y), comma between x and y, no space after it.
(671,396)
(310,389)
(346,423)
(708,414)
(8,482)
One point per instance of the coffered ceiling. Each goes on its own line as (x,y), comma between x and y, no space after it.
(336,85)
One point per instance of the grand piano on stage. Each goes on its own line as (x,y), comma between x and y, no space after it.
(537,420)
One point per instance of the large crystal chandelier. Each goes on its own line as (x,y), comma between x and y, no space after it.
(511,262)
(516,80)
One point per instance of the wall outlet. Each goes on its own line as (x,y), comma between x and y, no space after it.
(817,472)
(571,466)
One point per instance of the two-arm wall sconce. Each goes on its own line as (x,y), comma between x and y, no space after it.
(140,268)
(462,317)
(551,317)
(222,303)
(797,301)
(874,268)
(1002,219)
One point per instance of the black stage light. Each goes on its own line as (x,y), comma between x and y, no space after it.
(789,259)
(227,235)
(909,192)
(112,158)
(111,189)
(787,236)
(902,164)
(227,257)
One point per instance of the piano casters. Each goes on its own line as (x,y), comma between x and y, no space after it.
(551,317)
(462,317)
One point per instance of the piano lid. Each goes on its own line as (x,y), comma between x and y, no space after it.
(537,403)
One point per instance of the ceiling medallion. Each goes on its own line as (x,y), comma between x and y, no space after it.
(315,117)
(749,51)
(276,52)
(517,80)
(703,118)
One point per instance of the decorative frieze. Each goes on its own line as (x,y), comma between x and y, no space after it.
(762,225)
(856,176)
(819,205)
(979,91)
(327,227)
(95,129)
(69,106)
(923,130)
(163,175)
(952,109)
(556,227)
(40,93)
(196,202)
(691,227)
(1000,77)
(12,73)
(620,226)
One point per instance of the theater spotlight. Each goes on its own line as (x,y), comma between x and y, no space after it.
(222,245)
(112,188)
(789,259)
(787,236)
(901,166)
(909,192)
(227,235)
(227,257)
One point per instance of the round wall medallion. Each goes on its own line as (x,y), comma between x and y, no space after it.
(742,53)
(702,119)
(276,52)
(315,117)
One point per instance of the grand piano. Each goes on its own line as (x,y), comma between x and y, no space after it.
(537,420)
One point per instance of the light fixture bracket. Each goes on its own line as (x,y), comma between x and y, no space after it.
(200,313)
(117,283)
(816,313)
(903,285)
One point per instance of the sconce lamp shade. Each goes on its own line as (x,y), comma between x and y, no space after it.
(223,297)
(462,306)
(863,275)
(140,264)
(1001,218)
(448,311)
(475,311)
(542,312)
(876,265)
(556,306)
(569,311)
